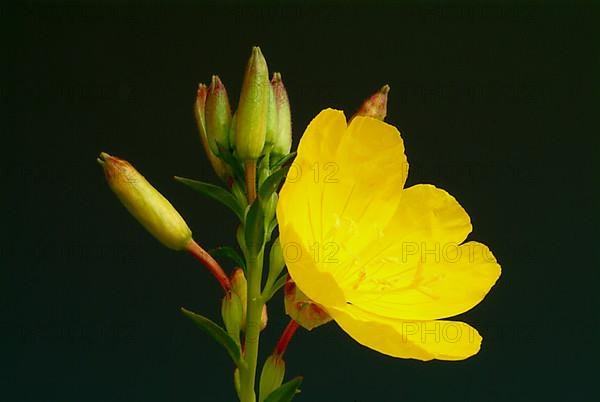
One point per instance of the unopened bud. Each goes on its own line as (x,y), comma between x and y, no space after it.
(271,376)
(272,124)
(232,131)
(264,317)
(219,166)
(282,143)
(239,286)
(376,105)
(251,121)
(301,309)
(218,116)
(145,203)
(276,261)
(232,313)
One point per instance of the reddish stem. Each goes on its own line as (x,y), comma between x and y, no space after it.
(286,337)
(213,266)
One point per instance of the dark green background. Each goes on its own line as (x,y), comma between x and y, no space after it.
(497,104)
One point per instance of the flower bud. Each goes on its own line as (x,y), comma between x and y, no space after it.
(232,313)
(251,120)
(272,128)
(264,317)
(376,105)
(239,286)
(282,143)
(145,203)
(219,166)
(218,116)
(271,376)
(232,131)
(301,309)
(276,261)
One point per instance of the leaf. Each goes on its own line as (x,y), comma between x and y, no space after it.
(217,333)
(228,252)
(272,182)
(279,283)
(255,229)
(228,157)
(286,392)
(282,161)
(216,193)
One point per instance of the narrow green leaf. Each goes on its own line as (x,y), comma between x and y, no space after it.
(217,333)
(255,229)
(278,284)
(228,252)
(272,182)
(263,170)
(228,157)
(282,161)
(216,193)
(286,392)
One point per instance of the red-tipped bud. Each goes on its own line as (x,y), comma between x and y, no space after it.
(282,142)
(145,203)
(376,105)
(271,376)
(220,167)
(218,116)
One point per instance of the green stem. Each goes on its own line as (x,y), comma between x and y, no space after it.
(254,312)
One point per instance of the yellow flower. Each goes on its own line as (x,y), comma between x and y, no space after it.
(386,262)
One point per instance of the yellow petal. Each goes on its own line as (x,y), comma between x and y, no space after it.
(427,213)
(371,172)
(323,135)
(319,285)
(441,284)
(343,188)
(300,197)
(421,340)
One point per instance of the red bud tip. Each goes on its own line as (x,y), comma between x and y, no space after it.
(376,105)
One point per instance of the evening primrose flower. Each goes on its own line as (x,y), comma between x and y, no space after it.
(387,263)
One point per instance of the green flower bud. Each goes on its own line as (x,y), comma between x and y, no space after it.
(283,141)
(219,166)
(145,203)
(218,116)
(239,286)
(271,376)
(276,261)
(232,313)
(232,131)
(303,310)
(376,105)
(251,121)
(272,123)
(270,206)
(264,317)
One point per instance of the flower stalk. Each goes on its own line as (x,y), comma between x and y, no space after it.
(253,323)
(286,337)
(209,262)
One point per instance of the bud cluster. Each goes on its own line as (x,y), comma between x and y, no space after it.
(260,126)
